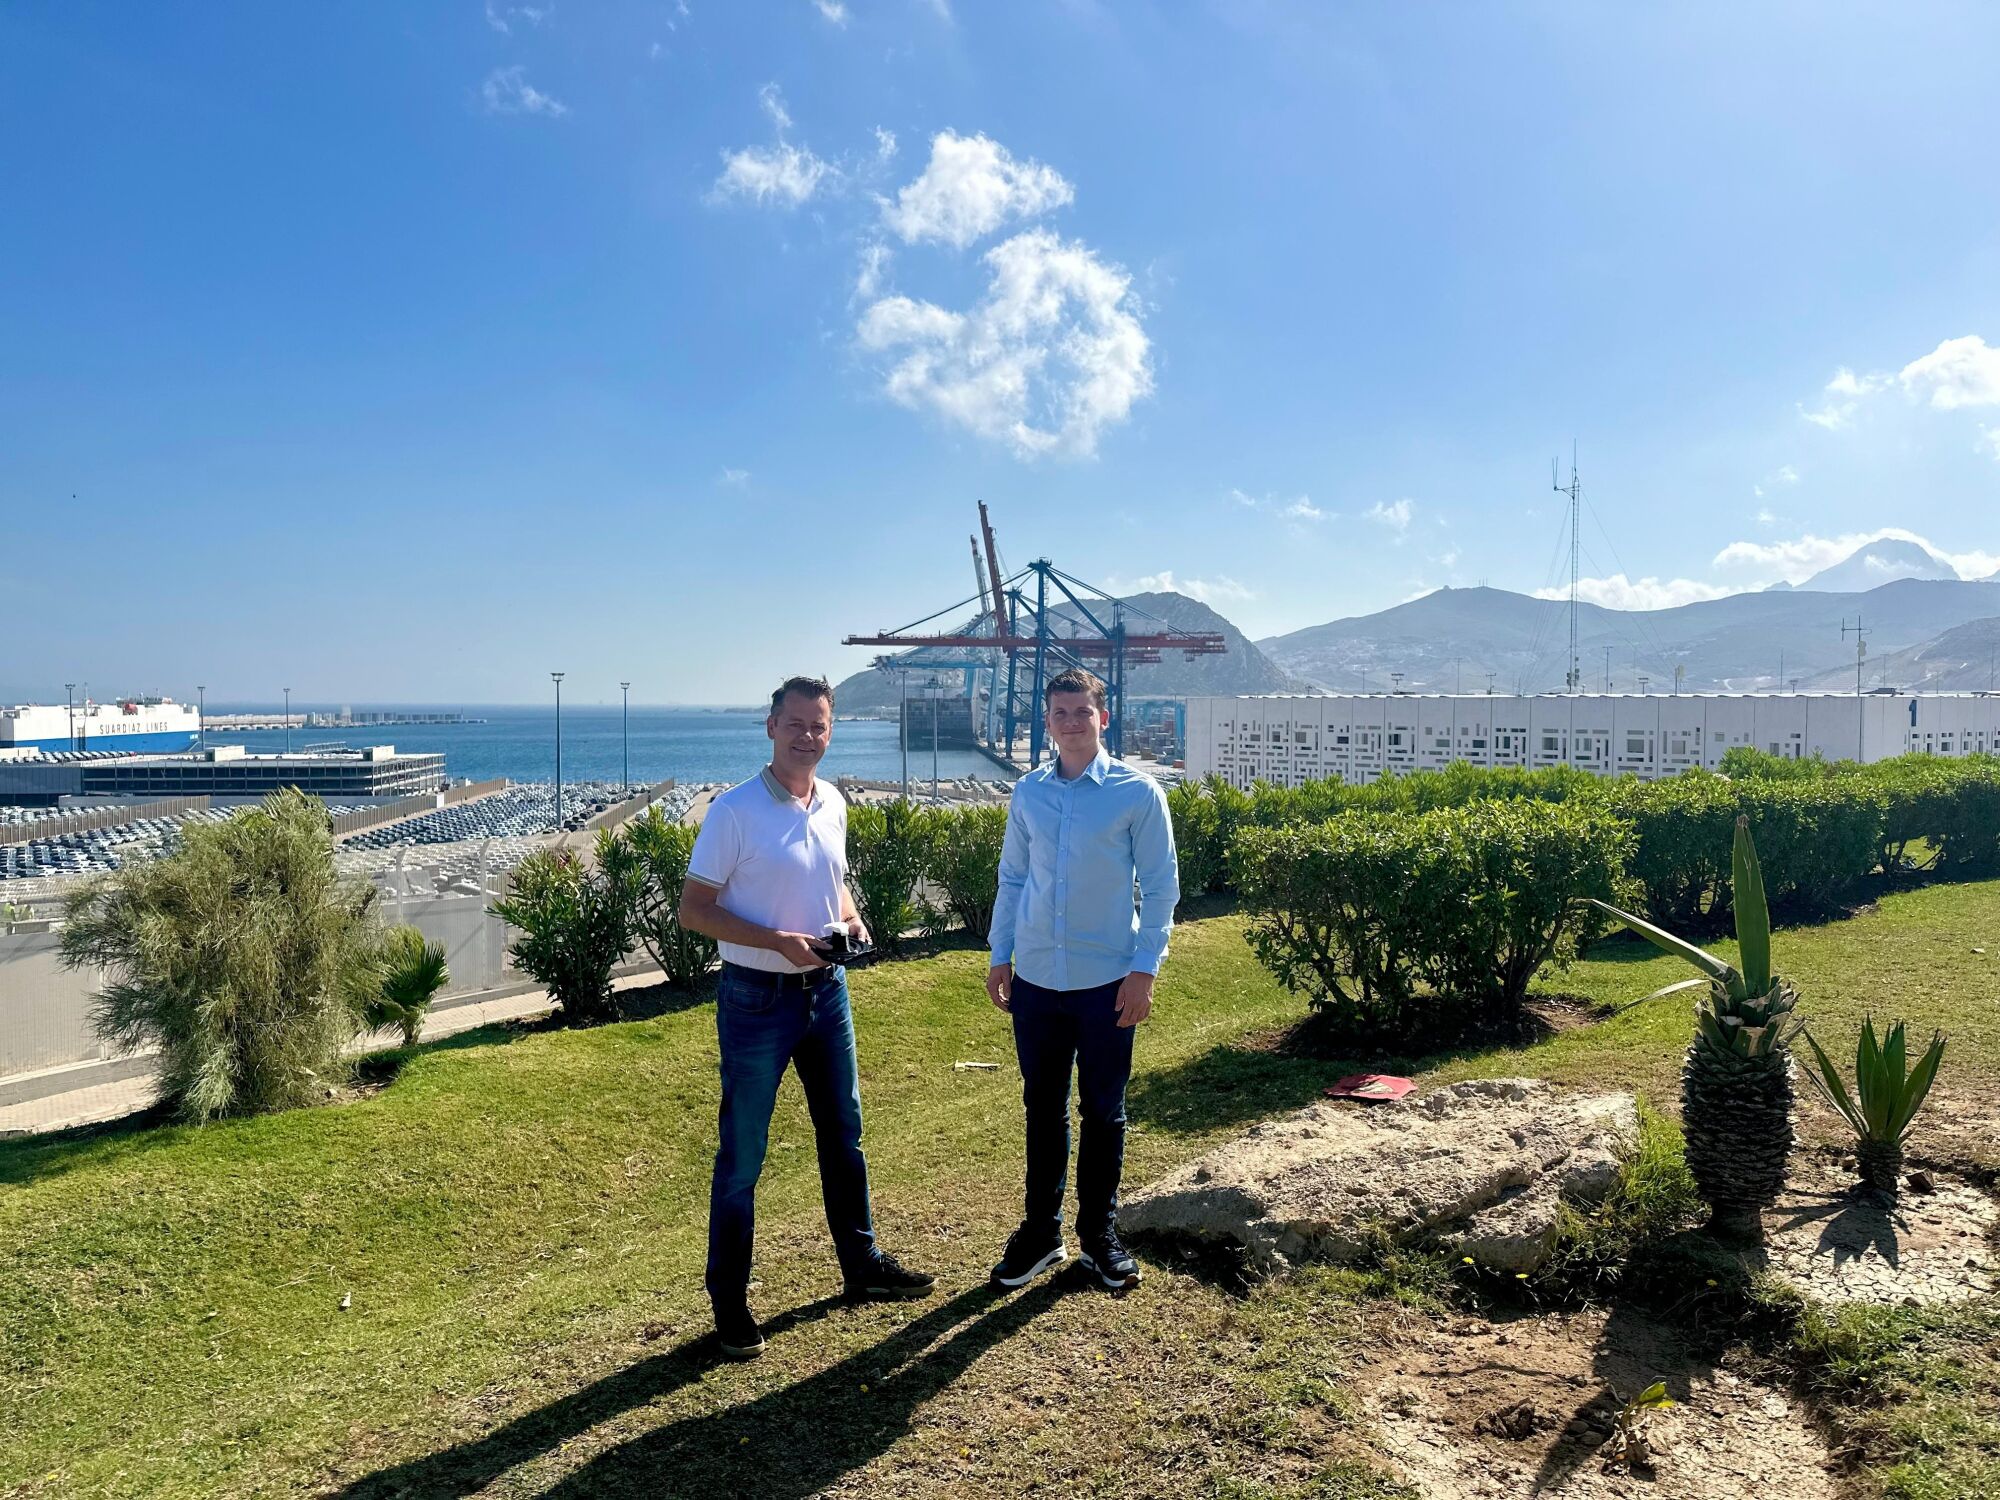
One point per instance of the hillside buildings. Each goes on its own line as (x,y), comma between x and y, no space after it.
(1288,739)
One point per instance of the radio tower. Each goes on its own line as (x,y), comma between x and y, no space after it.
(1574,489)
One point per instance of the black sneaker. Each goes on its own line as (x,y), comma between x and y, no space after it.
(1107,1258)
(1029,1253)
(887,1280)
(736,1331)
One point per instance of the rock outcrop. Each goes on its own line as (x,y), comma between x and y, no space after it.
(1480,1168)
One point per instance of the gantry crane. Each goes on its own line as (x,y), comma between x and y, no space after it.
(1028,627)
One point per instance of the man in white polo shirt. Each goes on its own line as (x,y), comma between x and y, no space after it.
(768,881)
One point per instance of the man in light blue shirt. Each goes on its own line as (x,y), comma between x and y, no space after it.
(1074,959)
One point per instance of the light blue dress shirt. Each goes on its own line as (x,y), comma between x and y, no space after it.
(1065,916)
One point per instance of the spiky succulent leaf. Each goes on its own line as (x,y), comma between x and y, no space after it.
(1722,973)
(1753,914)
(1918,1087)
(1828,1085)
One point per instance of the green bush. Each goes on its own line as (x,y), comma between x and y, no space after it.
(887,844)
(962,859)
(241,956)
(1405,925)
(576,922)
(661,848)
(413,970)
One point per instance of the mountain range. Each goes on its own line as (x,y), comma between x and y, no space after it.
(1925,627)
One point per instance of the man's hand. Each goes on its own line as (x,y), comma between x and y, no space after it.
(857,931)
(1000,986)
(798,950)
(1135,998)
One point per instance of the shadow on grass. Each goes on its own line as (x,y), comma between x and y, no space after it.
(1238,1082)
(790,1443)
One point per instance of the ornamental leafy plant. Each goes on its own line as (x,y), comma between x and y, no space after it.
(575,923)
(662,847)
(1736,1080)
(1885,1101)
(413,970)
(242,957)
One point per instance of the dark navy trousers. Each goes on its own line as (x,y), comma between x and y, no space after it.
(1056,1031)
(766,1022)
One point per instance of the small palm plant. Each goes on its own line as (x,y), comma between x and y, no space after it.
(1736,1081)
(413,971)
(1885,1100)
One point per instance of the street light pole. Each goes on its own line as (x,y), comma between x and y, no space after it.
(69,700)
(288,721)
(937,699)
(903,729)
(201,715)
(626,689)
(558,677)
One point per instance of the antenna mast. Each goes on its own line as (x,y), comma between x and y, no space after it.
(1574,489)
(1860,655)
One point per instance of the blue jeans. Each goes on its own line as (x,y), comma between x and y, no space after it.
(1055,1030)
(765,1021)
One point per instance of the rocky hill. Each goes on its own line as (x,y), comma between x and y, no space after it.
(1451,639)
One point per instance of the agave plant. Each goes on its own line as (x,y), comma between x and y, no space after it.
(1885,1100)
(1736,1081)
(413,971)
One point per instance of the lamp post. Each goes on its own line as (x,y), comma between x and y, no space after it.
(69,701)
(626,725)
(557,677)
(201,715)
(937,699)
(288,721)
(903,728)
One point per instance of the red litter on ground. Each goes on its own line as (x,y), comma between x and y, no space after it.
(1372,1088)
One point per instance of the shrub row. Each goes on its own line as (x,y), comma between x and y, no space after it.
(1821,828)
(1393,923)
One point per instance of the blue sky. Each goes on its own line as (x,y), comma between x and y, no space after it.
(404,353)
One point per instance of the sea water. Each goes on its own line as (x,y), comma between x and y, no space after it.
(687,744)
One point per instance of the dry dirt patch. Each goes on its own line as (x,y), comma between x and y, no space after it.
(1839,1243)
(1523,1408)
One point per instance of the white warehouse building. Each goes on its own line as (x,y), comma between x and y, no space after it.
(1287,739)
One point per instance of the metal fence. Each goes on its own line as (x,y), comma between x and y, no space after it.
(45,1009)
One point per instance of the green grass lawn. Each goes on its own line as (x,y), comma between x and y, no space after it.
(518,1223)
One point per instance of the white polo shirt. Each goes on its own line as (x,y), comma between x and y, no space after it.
(776,861)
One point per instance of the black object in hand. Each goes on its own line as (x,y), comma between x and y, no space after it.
(836,943)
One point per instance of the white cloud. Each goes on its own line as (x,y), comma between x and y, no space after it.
(1248,502)
(1220,589)
(1786,475)
(736,476)
(885,144)
(1989,437)
(875,258)
(1396,515)
(833,10)
(1051,354)
(1796,559)
(942,8)
(782,173)
(1620,592)
(971,187)
(1302,509)
(1959,372)
(502,17)
(507,92)
(772,99)
(1766,516)
(1844,394)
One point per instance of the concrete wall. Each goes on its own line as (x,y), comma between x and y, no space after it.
(1286,740)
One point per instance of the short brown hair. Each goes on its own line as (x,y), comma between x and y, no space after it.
(1075,680)
(810,687)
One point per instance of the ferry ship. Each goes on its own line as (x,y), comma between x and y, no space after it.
(148,724)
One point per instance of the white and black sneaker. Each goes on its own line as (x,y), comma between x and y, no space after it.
(736,1331)
(1029,1253)
(1106,1257)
